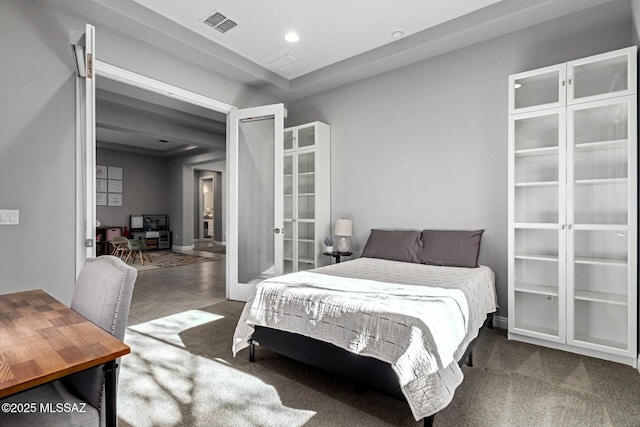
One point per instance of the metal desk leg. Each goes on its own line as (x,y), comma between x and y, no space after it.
(110,393)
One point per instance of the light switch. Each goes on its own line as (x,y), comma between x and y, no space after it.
(9,217)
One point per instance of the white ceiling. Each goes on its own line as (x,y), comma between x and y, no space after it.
(330,31)
(340,42)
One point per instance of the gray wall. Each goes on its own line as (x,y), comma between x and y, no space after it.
(425,146)
(635,16)
(144,186)
(37,142)
(182,190)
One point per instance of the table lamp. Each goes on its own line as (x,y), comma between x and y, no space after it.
(343,230)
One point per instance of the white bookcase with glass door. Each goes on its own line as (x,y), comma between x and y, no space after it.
(573,206)
(307,198)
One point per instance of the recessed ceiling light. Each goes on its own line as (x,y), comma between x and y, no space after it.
(517,85)
(291,37)
(397,34)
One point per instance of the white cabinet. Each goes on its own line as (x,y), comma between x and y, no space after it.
(307,198)
(573,207)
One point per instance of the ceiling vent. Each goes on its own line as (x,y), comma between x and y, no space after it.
(219,21)
(287,64)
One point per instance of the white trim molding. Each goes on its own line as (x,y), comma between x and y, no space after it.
(121,75)
(182,248)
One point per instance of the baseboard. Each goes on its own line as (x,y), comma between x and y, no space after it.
(182,248)
(501,322)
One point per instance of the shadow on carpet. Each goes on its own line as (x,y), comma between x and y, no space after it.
(163,259)
(181,373)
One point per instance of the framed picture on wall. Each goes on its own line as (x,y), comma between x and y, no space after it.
(101,185)
(115,173)
(101,199)
(115,199)
(101,171)
(115,186)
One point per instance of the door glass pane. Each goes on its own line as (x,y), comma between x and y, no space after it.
(537,132)
(256,147)
(306,246)
(288,140)
(288,247)
(600,263)
(306,185)
(288,186)
(536,169)
(600,165)
(537,90)
(595,78)
(306,136)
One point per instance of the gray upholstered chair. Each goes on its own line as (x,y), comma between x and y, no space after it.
(103,295)
(136,247)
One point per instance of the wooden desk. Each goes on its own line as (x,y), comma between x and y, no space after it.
(43,340)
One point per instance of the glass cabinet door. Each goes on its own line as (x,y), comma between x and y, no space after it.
(537,238)
(288,140)
(602,195)
(537,158)
(601,76)
(540,89)
(287,200)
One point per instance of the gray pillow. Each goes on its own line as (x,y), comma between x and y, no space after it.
(394,245)
(451,248)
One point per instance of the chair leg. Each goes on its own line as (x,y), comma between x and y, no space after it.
(148,257)
(141,257)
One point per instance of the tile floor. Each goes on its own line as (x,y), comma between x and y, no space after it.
(172,290)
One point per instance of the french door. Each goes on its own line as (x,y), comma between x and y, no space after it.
(255,229)
(83,50)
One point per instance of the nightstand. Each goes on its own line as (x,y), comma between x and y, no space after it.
(337,255)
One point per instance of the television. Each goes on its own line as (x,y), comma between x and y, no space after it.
(155,222)
(137,222)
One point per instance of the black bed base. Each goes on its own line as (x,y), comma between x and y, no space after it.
(366,371)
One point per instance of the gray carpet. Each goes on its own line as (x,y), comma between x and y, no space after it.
(181,373)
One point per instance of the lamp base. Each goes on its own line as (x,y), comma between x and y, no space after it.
(344,245)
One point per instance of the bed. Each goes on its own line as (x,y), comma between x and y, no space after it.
(396,319)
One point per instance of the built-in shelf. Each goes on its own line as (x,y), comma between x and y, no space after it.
(306,194)
(537,257)
(306,173)
(537,184)
(600,297)
(601,341)
(601,145)
(532,288)
(601,261)
(536,225)
(535,328)
(542,151)
(573,206)
(601,181)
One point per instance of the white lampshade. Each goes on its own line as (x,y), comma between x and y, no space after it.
(343,227)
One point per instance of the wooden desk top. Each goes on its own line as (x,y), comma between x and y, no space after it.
(42,340)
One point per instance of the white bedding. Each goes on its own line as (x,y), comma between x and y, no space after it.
(418,318)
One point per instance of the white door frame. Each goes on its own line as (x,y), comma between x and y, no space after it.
(85,134)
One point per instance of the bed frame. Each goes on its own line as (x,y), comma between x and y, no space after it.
(366,371)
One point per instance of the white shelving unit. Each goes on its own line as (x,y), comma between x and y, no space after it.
(307,198)
(573,206)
